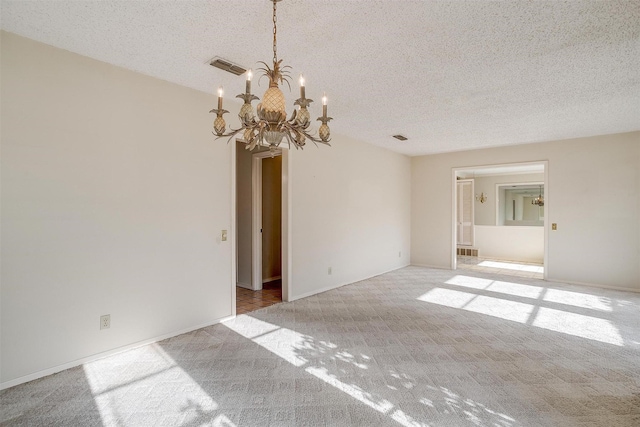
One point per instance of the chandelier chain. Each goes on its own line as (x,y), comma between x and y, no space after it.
(275,30)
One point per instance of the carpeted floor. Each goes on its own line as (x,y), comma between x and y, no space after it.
(414,347)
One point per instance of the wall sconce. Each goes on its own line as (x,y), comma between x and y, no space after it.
(482,197)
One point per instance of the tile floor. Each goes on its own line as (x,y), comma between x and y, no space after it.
(511,268)
(248,300)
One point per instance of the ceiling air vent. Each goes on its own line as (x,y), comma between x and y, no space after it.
(229,66)
(400,137)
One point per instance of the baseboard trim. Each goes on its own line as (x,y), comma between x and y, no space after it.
(549,279)
(244,285)
(592,285)
(271,279)
(332,287)
(102,355)
(437,267)
(319,291)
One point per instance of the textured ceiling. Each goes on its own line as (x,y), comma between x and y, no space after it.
(449,75)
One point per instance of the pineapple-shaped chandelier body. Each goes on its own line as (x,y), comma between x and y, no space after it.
(273,105)
(271,126)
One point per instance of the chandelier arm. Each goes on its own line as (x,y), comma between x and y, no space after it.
(303,130)
(253,143)
(290,140)
(230,134)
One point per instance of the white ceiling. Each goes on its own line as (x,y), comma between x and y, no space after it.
(450,75)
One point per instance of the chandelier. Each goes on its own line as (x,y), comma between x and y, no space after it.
(538,200)
(271,126)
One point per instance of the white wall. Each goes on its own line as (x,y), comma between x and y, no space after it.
(351,212)
(510,243)
(114,193)
(601,247)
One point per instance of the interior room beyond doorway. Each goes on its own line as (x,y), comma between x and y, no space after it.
(259,228)
(499,219)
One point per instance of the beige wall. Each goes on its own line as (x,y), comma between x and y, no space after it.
(271,218)
(600,247)
(351,212)
(114,194)
(516,243)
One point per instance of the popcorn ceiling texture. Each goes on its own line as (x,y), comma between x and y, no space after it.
(448,75)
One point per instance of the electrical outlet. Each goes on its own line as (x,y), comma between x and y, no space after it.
(329,271)
(105,321)
(554,226)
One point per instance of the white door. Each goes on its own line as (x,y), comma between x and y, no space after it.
(464,211)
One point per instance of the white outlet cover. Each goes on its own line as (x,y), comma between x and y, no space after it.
(105,321)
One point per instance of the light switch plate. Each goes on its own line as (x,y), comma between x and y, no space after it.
(224,235)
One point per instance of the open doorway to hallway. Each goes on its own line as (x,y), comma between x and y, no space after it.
(259,228)
(499,215)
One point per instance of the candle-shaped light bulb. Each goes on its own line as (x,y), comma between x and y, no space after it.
(248,86)
(302,90)
(324,105)
(220,93)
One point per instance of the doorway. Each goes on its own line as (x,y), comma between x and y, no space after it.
(505,235)
(261,219)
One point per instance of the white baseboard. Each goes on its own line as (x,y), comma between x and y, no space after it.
(102,355)
(319,291)
(558,281)
(592,285)
(244,285)
(437,267)
(329,288)
(271,279)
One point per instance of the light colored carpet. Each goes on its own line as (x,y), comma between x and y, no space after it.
(415,347)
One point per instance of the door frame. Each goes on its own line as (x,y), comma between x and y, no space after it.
(287,170)
(256,216)
(454,216)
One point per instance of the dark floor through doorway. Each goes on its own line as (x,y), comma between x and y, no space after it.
(248,300)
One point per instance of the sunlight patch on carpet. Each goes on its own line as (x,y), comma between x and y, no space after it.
(579,325)
(578,299)
(132,387)
(567,322)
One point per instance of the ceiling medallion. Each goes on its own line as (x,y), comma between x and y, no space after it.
(271,125)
